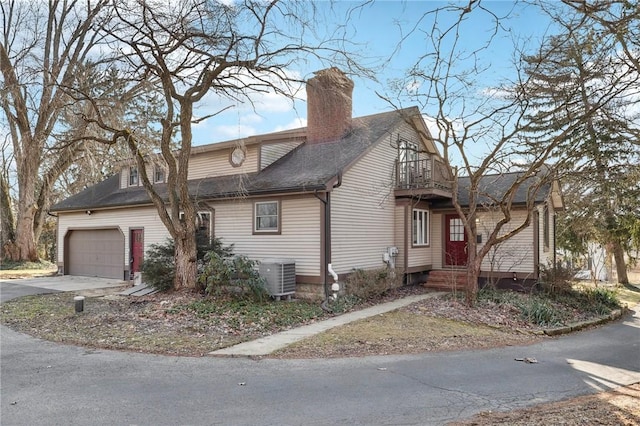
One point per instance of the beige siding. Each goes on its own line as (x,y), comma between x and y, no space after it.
(363,211)
(399,222)
(546,253)
(123,219)
(299,238)
(365,219)
(216,163)
(513,255)
(421,255)
(270,153)
(437,238)
(124,177)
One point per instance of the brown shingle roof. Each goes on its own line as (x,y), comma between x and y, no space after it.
(308,167)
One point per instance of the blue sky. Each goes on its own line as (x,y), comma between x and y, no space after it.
(376,30)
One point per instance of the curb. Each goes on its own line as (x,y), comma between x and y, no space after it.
(570,328)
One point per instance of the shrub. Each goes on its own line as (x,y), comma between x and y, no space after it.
(233,275)
(540,312)
(342,304)
(366,284)
(158,267)
(597,300)
(555,280)
(497,296)
(159,264)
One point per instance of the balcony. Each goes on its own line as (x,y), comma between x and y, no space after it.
(425,178)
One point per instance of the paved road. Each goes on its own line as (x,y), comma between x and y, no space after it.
(48,384)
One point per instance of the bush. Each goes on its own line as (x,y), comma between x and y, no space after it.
(342,304)
(540,312)
(556,280)
(595,300)
(366,284)
(497,296)
(159,266)
(233,275)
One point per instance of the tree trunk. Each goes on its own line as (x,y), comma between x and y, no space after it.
(7,222)
(621,266)
(25,244)
(474,265)
(186,267)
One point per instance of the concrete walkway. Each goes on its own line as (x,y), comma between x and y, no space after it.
(267,345)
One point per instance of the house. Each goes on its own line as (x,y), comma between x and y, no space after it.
(359,193)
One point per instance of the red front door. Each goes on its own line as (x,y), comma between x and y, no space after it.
(456,241)
(137,249)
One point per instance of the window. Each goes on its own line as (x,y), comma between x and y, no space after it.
(203,226)
(456,230)
(408,151)
(158,174)
(133,176)
(420,227)
(267,217)
(407,160)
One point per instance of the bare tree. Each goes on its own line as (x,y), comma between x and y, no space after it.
(42,47)
(192,48)
(485,130)
(7,221)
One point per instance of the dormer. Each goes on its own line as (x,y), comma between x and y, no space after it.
(130,174)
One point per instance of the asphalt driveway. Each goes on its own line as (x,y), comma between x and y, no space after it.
(45,383)
(13,288)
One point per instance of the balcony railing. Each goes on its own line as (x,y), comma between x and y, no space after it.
(419,175)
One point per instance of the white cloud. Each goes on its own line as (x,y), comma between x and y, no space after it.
(231,131)
(296,123)
(250,119)
(496,93)
(439,134)
(262,103)
(413,87)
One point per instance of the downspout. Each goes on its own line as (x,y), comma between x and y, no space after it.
(327,238)
(555,264)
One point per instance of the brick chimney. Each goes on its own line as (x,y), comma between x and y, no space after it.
(328,105)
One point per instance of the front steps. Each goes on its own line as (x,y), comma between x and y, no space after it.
(447,279)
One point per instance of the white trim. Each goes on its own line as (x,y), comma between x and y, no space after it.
(156,169)
(256,217)
(133,169)
(420,227)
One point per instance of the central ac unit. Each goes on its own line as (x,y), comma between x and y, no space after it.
(280,276)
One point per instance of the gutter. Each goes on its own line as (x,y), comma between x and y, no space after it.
(217,197)
(327,234)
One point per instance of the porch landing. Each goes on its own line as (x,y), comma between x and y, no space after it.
(447,279)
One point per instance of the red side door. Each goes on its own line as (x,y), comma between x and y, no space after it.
(137,249)
(456,241)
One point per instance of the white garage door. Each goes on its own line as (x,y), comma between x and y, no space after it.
(96,253)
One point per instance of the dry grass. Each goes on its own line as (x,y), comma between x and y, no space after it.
(620,406)
(409,330)
(155,324)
